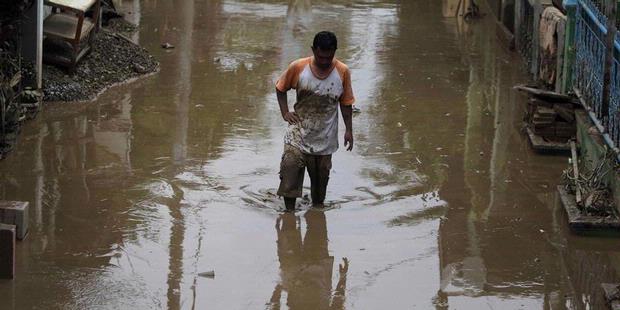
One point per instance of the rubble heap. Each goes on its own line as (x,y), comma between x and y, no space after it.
(553,121)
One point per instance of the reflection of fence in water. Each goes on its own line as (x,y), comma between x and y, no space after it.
(526,33)
(614,100)
(590,47)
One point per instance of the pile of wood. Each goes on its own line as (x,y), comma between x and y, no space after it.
(553,121)
(550,118)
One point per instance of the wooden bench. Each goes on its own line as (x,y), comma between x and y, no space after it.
(68,23)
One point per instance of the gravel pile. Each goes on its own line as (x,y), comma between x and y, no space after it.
(112,60)
(120,25)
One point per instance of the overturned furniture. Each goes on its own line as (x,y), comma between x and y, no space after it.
(69,25)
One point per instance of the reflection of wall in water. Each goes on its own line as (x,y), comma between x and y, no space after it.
(475,257)
(463,269)
(114,133)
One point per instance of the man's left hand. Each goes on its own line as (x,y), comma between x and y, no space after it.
(348,140)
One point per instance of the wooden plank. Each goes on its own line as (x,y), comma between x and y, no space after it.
(573,152)
(544,94)
(566,113)
(539,102)
(544,111)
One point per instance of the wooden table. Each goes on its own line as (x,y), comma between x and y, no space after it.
(69,23)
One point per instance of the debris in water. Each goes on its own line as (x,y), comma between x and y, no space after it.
(207,274)
(399,124)
(167,45)
(589,182)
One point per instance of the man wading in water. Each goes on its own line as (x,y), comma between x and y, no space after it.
(322,84)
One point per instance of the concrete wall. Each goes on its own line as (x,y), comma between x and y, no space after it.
(592,149)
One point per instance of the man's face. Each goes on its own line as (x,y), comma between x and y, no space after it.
(323,58)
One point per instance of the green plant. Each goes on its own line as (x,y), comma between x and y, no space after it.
(11,110)
(597,198)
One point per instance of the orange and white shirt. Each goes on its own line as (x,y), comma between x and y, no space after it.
(317,104)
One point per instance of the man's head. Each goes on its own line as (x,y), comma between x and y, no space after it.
(324,48)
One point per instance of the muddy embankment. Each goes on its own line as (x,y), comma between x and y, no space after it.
(114,59)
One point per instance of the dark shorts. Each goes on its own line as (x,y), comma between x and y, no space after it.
(292,168)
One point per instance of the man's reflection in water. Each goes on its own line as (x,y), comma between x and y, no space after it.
(306,266)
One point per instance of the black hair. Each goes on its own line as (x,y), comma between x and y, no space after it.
(325,40)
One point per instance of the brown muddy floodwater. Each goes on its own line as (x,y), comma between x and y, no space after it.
(441,205)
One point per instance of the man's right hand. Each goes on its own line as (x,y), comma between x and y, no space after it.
(291,118)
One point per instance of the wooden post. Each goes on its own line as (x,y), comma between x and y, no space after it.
(15,213)
(573,151)
(609,58)
(7,251)
(32,41)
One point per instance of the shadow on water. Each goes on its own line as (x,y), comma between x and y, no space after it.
(306,265)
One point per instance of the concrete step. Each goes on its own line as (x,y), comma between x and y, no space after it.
(7,251)
(15,213)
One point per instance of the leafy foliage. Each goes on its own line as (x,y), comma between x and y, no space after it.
(11,111)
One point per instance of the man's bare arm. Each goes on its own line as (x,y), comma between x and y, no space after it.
(347,116)
(288,116)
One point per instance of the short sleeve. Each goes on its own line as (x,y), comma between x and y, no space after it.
(347,97)
(289,78)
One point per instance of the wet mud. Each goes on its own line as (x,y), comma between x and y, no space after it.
(441,205)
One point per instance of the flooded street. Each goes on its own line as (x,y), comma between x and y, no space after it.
(441,205)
